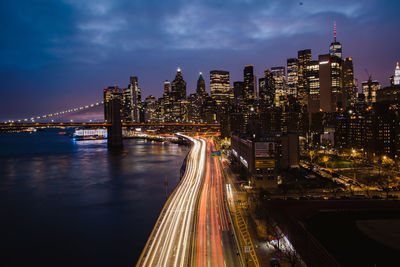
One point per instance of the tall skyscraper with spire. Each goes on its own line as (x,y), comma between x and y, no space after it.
(335,48)
(178,86)
(201,86)
(396,78)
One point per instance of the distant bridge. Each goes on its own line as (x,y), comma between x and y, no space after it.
(23,125)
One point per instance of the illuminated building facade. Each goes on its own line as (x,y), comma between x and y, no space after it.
(335,49)
(267,89)
(219,87)
(370,89)
(178,87)
(348,83)
(201,86)
(396,78)
(280,85)
(304,57)
(292,76)
(330,83)
(312,77)
(249,93)
(134,99)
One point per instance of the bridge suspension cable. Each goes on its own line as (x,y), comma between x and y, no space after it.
(51,115)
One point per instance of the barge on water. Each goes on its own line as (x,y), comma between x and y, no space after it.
(90,134)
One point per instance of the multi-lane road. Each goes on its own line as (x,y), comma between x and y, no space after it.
(214,240)
(193,228)
(169,243)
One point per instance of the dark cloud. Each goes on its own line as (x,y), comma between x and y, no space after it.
(57,54)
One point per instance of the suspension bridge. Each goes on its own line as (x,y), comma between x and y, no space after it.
(114,126)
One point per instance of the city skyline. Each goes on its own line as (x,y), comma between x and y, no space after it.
(62,70)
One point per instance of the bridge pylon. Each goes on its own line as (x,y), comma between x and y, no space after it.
(114,132)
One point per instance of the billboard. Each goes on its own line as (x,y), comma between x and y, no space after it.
(264,164)
(264,149)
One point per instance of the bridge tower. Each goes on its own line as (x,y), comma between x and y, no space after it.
(114,132)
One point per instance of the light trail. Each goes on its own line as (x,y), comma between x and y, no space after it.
(215,244)
(169,243)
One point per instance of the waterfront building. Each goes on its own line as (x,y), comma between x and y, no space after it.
(150,109)
(110,93)
(133,102)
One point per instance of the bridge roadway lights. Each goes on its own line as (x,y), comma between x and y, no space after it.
(114,132)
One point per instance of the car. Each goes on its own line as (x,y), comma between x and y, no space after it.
(376,197)
(274,262)
(393,197)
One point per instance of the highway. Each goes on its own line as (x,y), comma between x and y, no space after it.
(214,241)
(170,242)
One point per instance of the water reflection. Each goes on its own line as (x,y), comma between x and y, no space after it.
(76,200)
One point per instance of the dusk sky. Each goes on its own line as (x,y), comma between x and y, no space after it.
(61,54)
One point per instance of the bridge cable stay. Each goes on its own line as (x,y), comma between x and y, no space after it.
(55,114)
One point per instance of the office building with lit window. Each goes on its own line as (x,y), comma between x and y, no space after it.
(280,85)
(312,77)
(219,87)
(249,93)
(292,76)
(304,57)
(349,90)
(330,83)
(369,89)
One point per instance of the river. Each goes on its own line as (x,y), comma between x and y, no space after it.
(73,203)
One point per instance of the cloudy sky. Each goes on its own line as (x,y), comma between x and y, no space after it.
(57,54)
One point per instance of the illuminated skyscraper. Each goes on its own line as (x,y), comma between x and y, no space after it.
(348,83)
(369,89)
(267,89)
(312,76)
(330,79)
(292,76)
(396,78)
(201,86)
(167,87)
(304,57)
(335,48)
(219,87)
(178,86)
(280,85)
(249,93)
(135,99)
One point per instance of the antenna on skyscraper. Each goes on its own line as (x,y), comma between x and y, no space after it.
(334,31)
